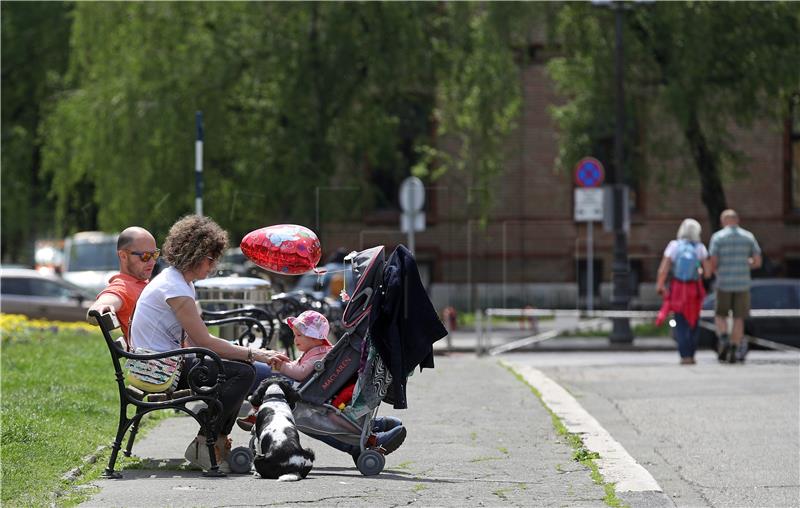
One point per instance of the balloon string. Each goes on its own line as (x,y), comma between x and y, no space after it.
(343,293)
(323,271)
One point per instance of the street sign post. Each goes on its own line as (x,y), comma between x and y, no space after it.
(589,175)
(412,199)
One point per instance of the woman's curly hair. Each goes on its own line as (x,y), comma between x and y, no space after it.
(193,238)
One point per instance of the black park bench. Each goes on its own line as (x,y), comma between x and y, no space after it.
(201,388)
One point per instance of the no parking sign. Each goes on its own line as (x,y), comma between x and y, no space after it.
(589,172)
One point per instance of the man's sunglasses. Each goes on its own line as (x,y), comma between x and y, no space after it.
(146,256)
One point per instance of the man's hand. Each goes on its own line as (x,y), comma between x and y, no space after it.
(106,302)
(102,308)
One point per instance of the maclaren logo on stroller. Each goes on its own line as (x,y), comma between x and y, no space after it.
(339,369)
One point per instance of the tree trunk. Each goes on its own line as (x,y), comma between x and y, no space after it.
(711,191)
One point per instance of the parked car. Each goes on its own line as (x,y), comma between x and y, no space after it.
(36,295)
(328,284)
(783,294)
(90,259)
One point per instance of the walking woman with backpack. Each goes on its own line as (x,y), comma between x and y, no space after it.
(686,261)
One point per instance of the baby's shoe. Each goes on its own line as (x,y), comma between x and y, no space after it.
(390,440)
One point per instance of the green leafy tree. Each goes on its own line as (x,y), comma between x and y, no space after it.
(35,39)
(705,67)
(296,96)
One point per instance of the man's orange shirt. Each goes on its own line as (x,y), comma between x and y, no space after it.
(128,289)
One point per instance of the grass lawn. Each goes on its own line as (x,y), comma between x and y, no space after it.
(59,403)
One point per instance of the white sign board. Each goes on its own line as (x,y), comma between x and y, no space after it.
(406,218)
(412,194)
(588,204)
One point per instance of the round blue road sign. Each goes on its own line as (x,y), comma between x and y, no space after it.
(589,172)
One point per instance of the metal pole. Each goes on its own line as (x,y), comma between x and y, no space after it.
(505,262)
(488,342)
(621,331)
(479,333)
(198,164)
(472,305)
(590,267)
(412,218)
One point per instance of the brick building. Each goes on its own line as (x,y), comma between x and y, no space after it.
(531,252)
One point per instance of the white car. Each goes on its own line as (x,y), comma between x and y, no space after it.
(36,295)
(90,259)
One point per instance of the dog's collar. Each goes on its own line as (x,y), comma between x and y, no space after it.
(275,396)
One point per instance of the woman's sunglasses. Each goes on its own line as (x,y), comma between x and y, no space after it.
(146,256)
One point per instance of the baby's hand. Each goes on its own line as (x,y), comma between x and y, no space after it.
(276,363)
(280,356)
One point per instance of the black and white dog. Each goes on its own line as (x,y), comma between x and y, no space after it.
(276,442)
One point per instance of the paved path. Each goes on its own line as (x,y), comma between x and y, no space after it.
(477,436)
(710,434)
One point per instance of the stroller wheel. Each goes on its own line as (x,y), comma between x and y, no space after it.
(240,460)
(370,462)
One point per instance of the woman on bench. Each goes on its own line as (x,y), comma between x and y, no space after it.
(167,317)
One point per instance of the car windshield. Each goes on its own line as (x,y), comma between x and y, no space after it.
(100,256)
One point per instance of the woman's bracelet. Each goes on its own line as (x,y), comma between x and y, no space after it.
(250,355)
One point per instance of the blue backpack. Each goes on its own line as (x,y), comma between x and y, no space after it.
(686,262)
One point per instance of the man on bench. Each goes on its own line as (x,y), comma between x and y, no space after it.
(137,252)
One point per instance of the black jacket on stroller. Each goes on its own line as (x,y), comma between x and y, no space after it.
(403,341)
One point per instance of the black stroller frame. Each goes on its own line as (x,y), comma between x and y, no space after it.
(314,414)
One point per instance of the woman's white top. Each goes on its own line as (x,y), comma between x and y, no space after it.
(154,325)
(671,251)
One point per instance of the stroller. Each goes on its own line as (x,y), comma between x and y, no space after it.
(326,407)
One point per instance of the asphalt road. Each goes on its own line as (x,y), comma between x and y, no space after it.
(709,434)
(477,436)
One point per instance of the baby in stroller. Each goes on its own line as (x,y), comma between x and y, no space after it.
(390,327)
(311,331)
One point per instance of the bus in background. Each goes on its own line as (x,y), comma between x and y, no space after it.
(90,259)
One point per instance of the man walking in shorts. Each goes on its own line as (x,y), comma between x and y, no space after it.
(733,252)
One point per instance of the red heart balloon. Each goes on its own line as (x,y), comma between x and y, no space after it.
(285,248)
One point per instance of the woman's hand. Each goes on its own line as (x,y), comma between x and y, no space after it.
(262,356)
